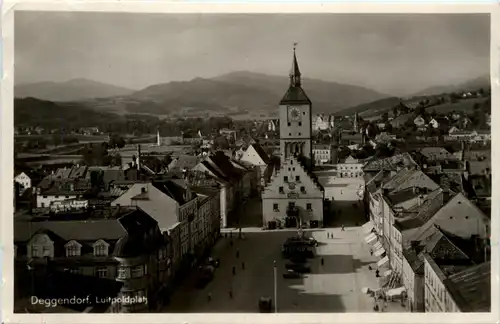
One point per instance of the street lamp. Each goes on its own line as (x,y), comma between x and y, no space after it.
(275,287)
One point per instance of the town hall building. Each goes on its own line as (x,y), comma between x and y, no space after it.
(294,197)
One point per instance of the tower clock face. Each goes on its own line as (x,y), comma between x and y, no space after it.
(293,113)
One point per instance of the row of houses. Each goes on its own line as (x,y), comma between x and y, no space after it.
(144,241)
(434,239)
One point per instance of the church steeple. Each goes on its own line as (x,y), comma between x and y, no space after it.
(295,71)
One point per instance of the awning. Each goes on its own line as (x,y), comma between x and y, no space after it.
(367,227)
(379,252)
(377,246)
(383,261)
(370,238)
(395,291)
(387,273)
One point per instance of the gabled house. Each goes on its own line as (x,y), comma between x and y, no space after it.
(419,121)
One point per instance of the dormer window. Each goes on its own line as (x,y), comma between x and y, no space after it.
(281,190)
(303,189)
(297,178)
(100,248)
(73,248)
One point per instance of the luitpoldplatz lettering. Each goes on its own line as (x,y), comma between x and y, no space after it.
(88,300)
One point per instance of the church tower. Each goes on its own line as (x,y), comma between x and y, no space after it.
(294,197)
(296,119)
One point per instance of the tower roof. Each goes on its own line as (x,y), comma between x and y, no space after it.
(295,71)
(295,94)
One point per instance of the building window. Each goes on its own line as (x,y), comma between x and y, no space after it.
(289,134)
(303,189)
(76,271)
(285,178)
(275,207)
(300,124)
(100,250)
(123,272)
(304,113)
(300,134)
(72,250)
(297,178)
(36,251)
(289,124)
(309,207)
(281,190)
(137,271)
(101,272)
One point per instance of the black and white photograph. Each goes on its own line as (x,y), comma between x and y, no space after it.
(194,163)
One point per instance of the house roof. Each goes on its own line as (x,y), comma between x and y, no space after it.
(173,189)
(184,162)
(438,153)
(260,151)
(408,178)
(391,163)
(86,230)
(450,215)
(471,288)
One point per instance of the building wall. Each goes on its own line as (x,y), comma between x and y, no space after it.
(296,131)
(286,187)
(434,290)
(396,250)
(350,170)
(24,181)
(44,201)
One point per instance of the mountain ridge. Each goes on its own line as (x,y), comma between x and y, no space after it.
(71,90)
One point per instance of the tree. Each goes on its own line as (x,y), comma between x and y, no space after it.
(395,111)
(116,141)
(385,117)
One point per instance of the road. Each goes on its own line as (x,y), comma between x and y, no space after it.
(334,287)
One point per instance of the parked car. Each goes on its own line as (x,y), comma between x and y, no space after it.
(298,267)
(265,304)
(290,274)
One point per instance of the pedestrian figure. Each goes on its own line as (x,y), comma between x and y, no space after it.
(237,254)
(322,261)
(369,267)
(243,265)
(377,273)
(371,252)
(209,297)
(343,228)
(230,294)
(234,270)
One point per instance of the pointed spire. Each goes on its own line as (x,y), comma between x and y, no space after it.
(295,71)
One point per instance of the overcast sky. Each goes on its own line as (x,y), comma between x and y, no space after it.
(394,54)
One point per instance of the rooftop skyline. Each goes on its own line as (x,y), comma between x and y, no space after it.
(391,53)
